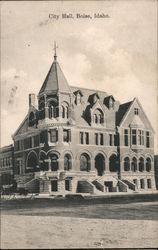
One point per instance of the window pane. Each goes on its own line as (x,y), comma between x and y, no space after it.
(81,137)
(134,139)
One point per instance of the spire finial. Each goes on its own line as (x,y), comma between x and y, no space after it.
(55,47)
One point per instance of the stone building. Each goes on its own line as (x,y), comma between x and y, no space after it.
(79,140)
(6,165)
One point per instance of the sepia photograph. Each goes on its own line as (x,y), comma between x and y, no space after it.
(79,125)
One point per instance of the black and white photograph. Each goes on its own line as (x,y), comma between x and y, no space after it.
(79,123)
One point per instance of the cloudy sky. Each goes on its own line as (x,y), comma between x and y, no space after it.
(115,54)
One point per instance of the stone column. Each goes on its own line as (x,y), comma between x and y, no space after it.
(107,165)
(46,112)
(49,164)
(61,164)
(92,168)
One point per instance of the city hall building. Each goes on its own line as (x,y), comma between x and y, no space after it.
(79,140)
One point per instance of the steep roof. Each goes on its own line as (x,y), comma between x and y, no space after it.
(55,80)
(122,111)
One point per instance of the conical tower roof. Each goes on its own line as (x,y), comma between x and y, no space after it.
(55,80)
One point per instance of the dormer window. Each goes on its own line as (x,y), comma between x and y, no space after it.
(98,116)
(78,99)
(111,103)
(136,111)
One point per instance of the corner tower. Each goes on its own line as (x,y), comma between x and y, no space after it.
(55,96)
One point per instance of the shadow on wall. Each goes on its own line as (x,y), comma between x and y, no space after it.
(156,170)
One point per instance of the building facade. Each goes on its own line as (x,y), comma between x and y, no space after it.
(6,165)
(78,140)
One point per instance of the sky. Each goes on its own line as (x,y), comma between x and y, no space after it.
(117,54)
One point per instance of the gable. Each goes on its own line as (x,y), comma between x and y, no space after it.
(23,128)
(129,118)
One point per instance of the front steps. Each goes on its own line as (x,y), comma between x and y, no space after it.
(28,182)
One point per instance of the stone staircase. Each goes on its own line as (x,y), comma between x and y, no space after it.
(130,184)
(28,182)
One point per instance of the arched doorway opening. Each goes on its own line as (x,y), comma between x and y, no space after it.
(126,164)
(113,163)
(54,162)
(100,164)
(134,164)
(84,162)
(67,162)
(148,164)
(32,163)
(141,164)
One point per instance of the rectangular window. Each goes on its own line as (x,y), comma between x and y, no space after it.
(149,183)
(87,137)
(139,137)
(66,135)
(136,111)
(110,140)
(142,137)
(67,185)
(116,140)
(81,138)
(101,139)
(44,136)
(126,137)
(36,141)
(134,137)
(147,139)
(53,135)
(96,138)
(28,143)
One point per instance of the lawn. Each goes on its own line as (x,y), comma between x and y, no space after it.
(45,223)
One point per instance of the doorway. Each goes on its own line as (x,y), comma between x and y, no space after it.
(54,186)
(100,164)
(108,184)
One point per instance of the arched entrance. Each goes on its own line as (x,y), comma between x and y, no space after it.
(100,164)
(84,162)
(32,163)
(113,163)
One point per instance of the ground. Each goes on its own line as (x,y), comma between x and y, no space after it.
(45,223)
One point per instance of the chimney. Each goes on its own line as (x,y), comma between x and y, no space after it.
(31,100)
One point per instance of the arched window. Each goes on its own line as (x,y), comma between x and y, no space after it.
(52,106)
(98,116)
(32,163)
(141,164)
(65,110)
(67,162)
(51,111)
(42,110)
(126,164)
(134,164)
(43,162)
(148,164)
(95,118)
(113,163)
(84,162)
(54,162)
(31,119)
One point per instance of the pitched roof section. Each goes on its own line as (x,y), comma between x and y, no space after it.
(122,111)
(55,80)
